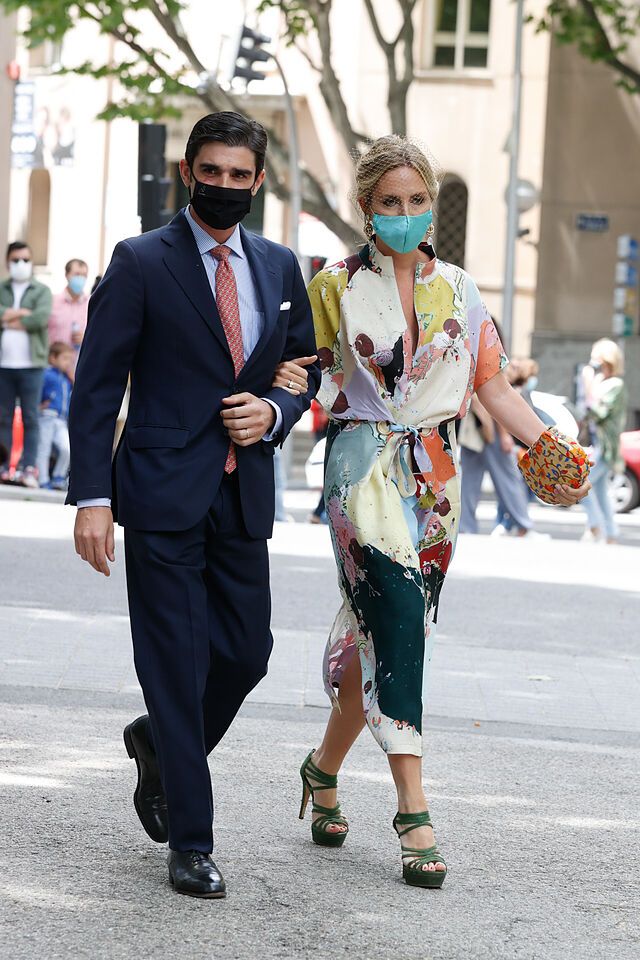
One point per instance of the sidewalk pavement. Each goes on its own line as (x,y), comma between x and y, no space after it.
(532,769)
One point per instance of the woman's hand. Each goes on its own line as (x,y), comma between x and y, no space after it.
(568,496)
(292,376)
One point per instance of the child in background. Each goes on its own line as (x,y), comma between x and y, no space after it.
(54,414)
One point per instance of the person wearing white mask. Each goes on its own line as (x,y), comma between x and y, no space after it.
(25,305)
(68,320)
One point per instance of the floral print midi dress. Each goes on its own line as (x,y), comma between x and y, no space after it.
(391,470)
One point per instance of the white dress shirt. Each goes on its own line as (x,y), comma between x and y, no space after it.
(251,316)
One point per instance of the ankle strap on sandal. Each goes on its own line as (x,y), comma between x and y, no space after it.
(328,811)
(323,781)
(410,821)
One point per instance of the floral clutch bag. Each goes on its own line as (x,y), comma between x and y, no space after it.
(553,459)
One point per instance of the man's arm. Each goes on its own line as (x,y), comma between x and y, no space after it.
(37,317)
(249,419)
(300,342)
(115,322)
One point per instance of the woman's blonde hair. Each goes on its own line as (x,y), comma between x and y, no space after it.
(389,153)
(609,352)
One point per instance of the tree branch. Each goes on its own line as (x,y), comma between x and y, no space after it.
(398,86)
(172,25)
(609,55)
(329,83)
(384,44)
(125,35)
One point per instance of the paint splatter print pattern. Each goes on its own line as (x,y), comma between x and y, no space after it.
(391,485)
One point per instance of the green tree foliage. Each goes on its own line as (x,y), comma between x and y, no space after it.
(602,30)
(155,82)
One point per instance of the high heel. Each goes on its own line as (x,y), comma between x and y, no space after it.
(328,815)
(414,858)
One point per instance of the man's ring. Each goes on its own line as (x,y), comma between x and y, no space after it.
(246,432)
(291,384)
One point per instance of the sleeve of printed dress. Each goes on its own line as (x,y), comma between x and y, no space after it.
(324,294)
(486,346)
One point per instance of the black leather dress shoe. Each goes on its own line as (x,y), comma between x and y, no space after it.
(148,799)
(195,874)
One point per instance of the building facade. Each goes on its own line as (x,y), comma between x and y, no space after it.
(580,147)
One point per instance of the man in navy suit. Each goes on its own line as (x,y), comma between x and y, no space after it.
(206,319)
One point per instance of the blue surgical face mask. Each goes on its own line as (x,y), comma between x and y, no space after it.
(77,283)
(532,383)
(403,234)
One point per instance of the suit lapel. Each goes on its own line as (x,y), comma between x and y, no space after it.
(182,259)
(268,280)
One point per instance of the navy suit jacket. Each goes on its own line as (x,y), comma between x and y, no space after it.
(153,316)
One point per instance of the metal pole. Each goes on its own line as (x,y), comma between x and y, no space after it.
(512,192)
(106,171)
(295,180)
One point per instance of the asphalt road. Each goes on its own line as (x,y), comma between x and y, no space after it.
(532,767)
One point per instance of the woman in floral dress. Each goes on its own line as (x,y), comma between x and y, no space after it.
(404,341)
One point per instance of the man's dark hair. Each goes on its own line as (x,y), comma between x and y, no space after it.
(230,128)
(72,262)
(17,245)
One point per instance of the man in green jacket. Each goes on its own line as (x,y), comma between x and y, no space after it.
(25,305)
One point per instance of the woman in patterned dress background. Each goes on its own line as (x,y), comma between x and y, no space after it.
(404,341)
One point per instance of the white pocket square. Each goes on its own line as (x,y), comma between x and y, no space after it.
(285,305)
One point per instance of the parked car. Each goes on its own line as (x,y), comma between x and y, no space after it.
(624,488)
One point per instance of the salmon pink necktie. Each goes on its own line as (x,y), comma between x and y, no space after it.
(227,304)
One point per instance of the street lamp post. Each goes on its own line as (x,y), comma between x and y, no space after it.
(512,190)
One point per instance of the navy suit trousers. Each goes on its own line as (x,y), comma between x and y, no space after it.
(200,609)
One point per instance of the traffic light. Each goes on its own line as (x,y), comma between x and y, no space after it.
(153,185)
(249,53)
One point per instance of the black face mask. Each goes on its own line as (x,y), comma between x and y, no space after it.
(220,207)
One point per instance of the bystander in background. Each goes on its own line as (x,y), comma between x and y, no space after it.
(54,416)
(25,306)
(604,421)
(320,425)
(68,320)
(485,446)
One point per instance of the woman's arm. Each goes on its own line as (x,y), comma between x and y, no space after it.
(509,408)
(513,412)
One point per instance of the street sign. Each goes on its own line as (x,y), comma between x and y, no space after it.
(627,248)
(592,222)
(625,294)
(622,325)
(626,274)
(24,142)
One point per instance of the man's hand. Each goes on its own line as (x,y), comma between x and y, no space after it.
(94,538)
(15,324)
(247,418)
(76,337)
(291,375)
(12,318)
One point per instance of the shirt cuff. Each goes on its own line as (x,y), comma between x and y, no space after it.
(275,430)
(97,502)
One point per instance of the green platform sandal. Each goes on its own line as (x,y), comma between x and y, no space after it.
(414,858)
(313,778)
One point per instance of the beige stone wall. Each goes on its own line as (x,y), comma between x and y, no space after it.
(591,165)
(7,54)
(465,120)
